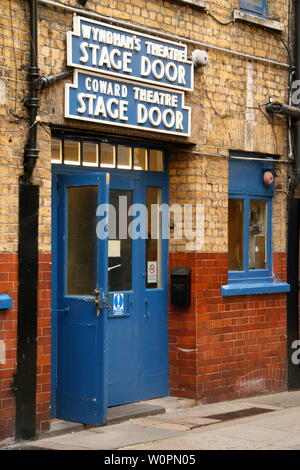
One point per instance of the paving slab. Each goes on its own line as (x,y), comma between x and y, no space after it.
(205,441)
(256,434)
(117,414)
(188,422)
(281,400)
(106,438)
(172,403)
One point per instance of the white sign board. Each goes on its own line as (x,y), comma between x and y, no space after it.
(151,272)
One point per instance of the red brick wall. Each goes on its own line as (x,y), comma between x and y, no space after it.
(44,343)
(8,333)
(226,347)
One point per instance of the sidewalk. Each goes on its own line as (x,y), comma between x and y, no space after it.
(267,422)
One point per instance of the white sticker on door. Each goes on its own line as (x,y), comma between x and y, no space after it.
(151,272)
(118,304)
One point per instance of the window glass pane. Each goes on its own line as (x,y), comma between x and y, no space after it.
(56,153)
(156,160)
(256,6)
(89,154)
(71,152)
(236,234)
(258,234)
(153,243)
(108,156)
(124,157)
(119,244)
(82,243)
(140,159)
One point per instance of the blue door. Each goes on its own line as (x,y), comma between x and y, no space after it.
(117,353)
(137,280)
(80,300)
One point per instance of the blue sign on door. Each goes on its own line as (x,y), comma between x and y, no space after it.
(118,304)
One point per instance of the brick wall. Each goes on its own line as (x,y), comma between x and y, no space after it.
(226,347)
(44,343)
(8,334)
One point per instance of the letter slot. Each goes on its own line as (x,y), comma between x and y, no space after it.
(181,287)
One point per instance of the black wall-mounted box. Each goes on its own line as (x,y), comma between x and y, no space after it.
(181,287)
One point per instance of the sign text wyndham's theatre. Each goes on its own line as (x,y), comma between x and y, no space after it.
(127,78)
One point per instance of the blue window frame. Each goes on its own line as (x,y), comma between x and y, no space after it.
(258,7)
(253,240)
(250,228)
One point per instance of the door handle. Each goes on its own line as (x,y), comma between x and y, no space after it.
(101,300)
(147,314)
(97,300)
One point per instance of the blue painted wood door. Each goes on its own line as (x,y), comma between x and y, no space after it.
(81,327)
(121,355)
(137,337)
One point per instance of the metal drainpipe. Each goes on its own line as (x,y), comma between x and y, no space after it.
(25,377)
(31,152)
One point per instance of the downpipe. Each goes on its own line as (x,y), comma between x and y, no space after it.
(24,382)
(31,152)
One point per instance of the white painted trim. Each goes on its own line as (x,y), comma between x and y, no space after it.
(257,20)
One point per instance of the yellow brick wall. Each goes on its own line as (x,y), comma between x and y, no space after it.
(221,120)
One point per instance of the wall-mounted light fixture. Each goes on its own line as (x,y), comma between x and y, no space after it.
(199,58)
(268,177)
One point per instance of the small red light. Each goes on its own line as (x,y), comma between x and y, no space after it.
(268,178)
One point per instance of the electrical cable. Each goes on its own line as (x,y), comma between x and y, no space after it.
(273,129)
(218,21)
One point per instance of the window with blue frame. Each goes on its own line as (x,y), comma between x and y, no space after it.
(250,228)
(258,7)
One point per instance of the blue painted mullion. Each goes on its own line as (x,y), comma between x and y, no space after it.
(269,235)
(246,234)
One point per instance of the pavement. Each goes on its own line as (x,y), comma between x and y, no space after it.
(269,422)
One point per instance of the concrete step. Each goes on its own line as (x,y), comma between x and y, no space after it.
(115,414)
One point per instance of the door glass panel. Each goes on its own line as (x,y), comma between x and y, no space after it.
(236,234)
(124,157)
(140,159)
(258,234)
(89,154)
(153,243)
(71,152)
(119,243)
(156,160)
(81,240)
(108,156)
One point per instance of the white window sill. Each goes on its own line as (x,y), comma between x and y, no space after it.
(239,15)
(197,4)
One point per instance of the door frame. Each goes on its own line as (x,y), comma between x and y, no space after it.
(58,169)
